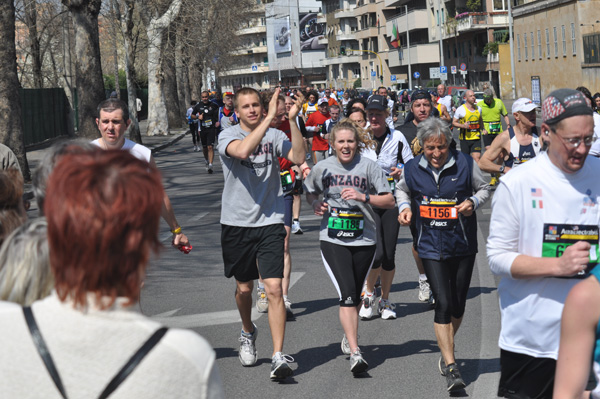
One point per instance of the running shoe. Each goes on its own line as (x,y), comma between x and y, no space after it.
(248,353)
(453,378)
(386,309)
(424,291)
(308,156)
(493,181)
(210,168)
(431,300)
(280,368)
(288,305)
(296,227)
(346,346)
(262,303)
(195,148)
(357,363)
(368,307)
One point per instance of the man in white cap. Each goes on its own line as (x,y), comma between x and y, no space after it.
(515,145)
(543,239)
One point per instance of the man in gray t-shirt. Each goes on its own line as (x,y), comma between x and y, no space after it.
(252,231)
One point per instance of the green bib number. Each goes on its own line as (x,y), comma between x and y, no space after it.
(345,223)
(557,237)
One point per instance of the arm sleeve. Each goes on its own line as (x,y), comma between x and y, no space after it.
(407,154)
(402,194)
(313,182)
(480,186)
(503,241)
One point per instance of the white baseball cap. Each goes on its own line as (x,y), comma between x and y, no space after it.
(523,104)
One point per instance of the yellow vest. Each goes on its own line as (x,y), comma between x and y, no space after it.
(472,119)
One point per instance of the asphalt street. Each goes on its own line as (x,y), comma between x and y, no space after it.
(190,291)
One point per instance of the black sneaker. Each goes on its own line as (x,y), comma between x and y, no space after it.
(453,378)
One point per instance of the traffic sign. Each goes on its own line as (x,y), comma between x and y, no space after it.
(417,75)
(373,73)
(443,69)
(434,73)
(393,78)
(463,67)
(453,69)
(254,68)
(463,73)
(444,76)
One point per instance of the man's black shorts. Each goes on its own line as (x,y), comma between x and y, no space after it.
(488,138)
(207,137)
(470,146)
(243,246)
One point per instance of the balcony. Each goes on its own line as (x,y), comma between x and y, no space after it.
(365,7)
(260,49)
(253,30)
(321,19)
(367,33)
(342,59)
(351,35)
(395,3)
(419,54)
(246,70)
(323,40)
(417,19)
(474,21)
(349,13)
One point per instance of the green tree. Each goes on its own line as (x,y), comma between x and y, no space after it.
(474,5)
(357,83)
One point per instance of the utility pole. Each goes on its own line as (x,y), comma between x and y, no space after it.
(408,48)
(439,21)
(512,51)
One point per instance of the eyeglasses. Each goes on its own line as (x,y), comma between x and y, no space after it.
(573,143)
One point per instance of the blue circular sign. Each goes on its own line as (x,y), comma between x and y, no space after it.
(463,67)
(417,75)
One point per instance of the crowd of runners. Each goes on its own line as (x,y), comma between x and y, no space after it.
(368,165)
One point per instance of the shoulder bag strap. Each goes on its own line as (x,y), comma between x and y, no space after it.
(133,362)
(42,349)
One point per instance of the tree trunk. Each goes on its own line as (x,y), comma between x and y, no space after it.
(157,110)
(127,25)
(90,86)
(183,83)
(115,52)
(34,43)
(170,83)
(11,133)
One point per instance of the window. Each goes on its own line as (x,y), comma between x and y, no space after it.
(532,48)
(555,42)
(547,43)
(525,46)
(591,45)
(564,40)
(499,5)
(519,47)
(539,44)
(573,40)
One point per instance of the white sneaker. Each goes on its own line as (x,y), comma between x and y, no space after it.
(424,291)
(346,346)
(296,228)
(386,309)
(262,303)
(210,168)
(357,363)
(368,307)
(195,148)
(280,368)
(248,354)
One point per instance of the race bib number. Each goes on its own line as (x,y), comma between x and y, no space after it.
(392,183)
(438,213)
(474,127)
(557,237)
(345,223)
(207,123)
(495,127)
(287,184)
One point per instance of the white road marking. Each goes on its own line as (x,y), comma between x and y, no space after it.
(212,318)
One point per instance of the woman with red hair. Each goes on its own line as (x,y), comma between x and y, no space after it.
(103,210)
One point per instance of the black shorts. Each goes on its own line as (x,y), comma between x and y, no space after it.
(207,137)
(488,138)
(298,187)
(470,146)
(243,246)
(527,377)
(348,268)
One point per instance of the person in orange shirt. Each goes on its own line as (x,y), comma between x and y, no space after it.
(315,124)
(330,99)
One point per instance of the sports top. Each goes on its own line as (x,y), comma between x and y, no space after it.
(522,153)
(135,149)
(491,115)
(252,194)
(471,118)
(537,210)
(351,222)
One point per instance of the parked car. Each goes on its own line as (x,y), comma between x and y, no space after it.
(479,96)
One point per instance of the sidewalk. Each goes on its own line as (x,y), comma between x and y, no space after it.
(155,143)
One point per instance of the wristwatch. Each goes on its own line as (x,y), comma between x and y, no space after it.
(367,198)
(502,169)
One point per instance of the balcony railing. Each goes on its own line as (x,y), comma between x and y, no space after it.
(467,22)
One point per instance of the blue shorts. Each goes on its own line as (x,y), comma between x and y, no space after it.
(287,214)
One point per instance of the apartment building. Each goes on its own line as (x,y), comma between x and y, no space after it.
(250,67)
(556,45)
